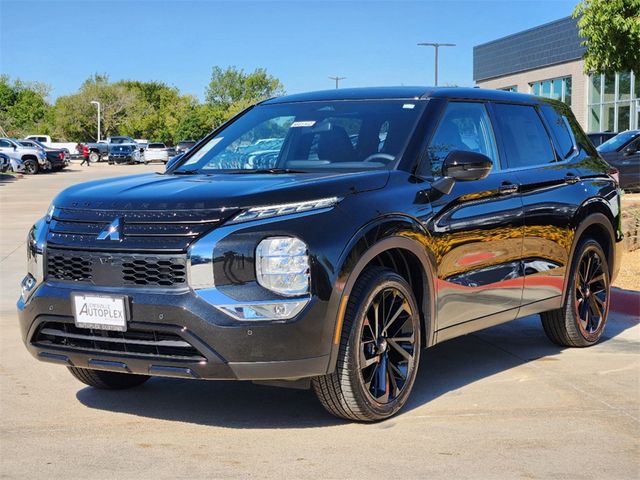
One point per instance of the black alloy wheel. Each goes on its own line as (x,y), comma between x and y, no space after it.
(591,292)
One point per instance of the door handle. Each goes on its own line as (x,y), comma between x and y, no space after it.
(507,188)
(571,178)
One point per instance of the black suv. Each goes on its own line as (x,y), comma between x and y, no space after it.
(323,240)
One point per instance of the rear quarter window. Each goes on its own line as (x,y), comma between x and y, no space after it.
(559,125)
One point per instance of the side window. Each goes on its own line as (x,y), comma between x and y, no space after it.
(525,139)
(561,129)
(464,126)
(4,144)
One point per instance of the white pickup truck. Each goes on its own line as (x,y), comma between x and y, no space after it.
(70,147)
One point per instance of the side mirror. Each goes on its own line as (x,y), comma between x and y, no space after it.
(464,166)
(630,150)
(460,165)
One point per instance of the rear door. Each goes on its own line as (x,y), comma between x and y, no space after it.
(540,150)
(476,229)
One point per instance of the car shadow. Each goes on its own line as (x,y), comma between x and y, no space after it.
(443,368)
(6,178)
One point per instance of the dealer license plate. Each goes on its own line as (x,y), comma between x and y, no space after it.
(104,312)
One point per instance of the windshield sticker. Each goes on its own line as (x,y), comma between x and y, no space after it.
(203,151)
(409,106)
(303,123)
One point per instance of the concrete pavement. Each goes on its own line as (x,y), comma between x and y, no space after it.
(502,403)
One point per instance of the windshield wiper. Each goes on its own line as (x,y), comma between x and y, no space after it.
(186,172)
(268,170)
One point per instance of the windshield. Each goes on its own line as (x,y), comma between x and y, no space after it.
(156,145)
(118,140)
(297,137)
(614,144)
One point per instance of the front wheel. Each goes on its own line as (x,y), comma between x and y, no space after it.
(379,350)
(31,167)
(94,157)
(107,380)
(581,320)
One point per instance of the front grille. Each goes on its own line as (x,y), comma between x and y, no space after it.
(104,269)
(148,343)
(139,231)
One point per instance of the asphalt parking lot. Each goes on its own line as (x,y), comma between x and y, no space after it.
(502,403)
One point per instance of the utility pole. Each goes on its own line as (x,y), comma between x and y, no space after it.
(337,79)
(93,102)
(436,46)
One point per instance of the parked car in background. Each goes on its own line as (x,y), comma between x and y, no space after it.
(599,138)
(124,153)
(34,159)
(100,150)
(184,146)
(623,153)
(327,266)
(68,147)
(156,152)
(56,158)
(5,163)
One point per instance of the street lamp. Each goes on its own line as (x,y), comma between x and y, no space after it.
(93,102)
(337,79)
(436,46)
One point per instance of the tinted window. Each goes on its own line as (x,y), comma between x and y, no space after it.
(156,145)
(560,127)
(525,139)
(464,126)
(333,135)
(5,144)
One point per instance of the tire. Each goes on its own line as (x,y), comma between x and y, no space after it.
(582,319)
(351,391)
(107,380)
(94,157)
(31,167)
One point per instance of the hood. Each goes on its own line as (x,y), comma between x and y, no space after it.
(157,191)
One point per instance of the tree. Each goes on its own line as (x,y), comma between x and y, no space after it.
(23,107)
(233,86)
(612,32)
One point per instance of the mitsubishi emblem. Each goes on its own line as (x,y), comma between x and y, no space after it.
(111,231)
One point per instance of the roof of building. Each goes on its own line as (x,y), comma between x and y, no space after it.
(549,44)
(403,93)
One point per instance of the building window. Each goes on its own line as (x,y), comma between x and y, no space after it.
(556,88)
(614,102)
(512,88)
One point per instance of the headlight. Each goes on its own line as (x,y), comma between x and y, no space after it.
(282,265)
(50,213)
(257,213)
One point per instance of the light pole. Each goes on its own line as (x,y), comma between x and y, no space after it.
(337,79)
(93,102)
(436,46)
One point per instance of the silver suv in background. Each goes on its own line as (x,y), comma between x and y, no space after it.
(33,158)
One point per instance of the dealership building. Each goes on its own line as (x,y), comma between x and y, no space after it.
(547,61)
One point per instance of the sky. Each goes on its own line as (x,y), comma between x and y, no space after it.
(302,43)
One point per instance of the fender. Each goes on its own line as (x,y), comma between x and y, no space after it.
(385,233)
(606,227)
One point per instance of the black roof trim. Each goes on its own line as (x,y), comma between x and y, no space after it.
(404,93)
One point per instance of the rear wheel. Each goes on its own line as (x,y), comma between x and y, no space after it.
(107,380)
(379,350)
(581,320)
(31,166)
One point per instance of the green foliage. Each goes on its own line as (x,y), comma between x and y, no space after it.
(232,86)
(151,110)
(23,107)
(612,32)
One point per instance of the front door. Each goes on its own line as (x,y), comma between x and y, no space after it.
(476,228)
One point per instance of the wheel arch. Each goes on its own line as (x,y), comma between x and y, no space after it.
(596,220)
(397,242)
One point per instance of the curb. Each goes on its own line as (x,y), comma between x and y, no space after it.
(626,302)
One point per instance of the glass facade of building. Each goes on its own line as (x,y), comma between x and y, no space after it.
(613,102)
(556,88)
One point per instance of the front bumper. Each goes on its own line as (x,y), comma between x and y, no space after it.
(229,349)
(122,158)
